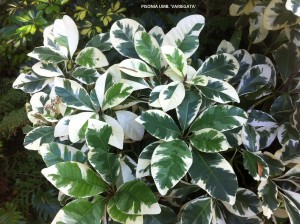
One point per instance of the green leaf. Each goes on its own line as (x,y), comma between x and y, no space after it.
(122,36)
(171,95)
(255,78)
(159,124)
(86,75)
(47,55)
(276,16)
(91,57)
(294,6)
(282,108)
(54,152)
(132,129)
(275,165)
(220,66)
(100,41)
(121,217)
(219,91)
(221,118)
(136,68)
(189,108)
(268,191)
(148,49)
(38,136)
(144,161)
(105,163)
(166,216)
(287,132)
(72,94)
(287,60)
(31,83)
(136,198)
(214,175)
(175,59)
(199,210)
(296,115)
(74,179)
(82,211)
(169,163)
(209,140)
(116,94)
(255,165)
(47,69)
(185,35)
(246,204)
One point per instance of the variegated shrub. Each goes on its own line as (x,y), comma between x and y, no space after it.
(159,137)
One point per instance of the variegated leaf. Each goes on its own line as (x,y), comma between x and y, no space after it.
(91,57)
(136,68)
(117,137)
(62,127)
(136,198)
(144,162)
(189,108)
(53,153)
(276,16)
(171,95)
(159,124)
(290,152)
(220,66)
(148,49)
(258,118)
(255,78)
(105,163)
(38,136)
(275,165)
(293,34)
(175,59)
(292,205)
(185,35)
(100,41)
(199,210)
(214,175)
(209,140)
(250,138)
(169,163)
(72,94)
(267,191)
(154,96)
(245,61)
(122,36)
(104,82)
(31,83)
(86,75)
(225,47)
(158,33)
(116,94)
(74,179)
(127,171)
(118,216)
(78,124)
(255,165)
(47,69)
(241,7)
(221,118)
(296,115)
(294,6)
(48,55)
(219,91)
(82,210)
(136,83)
(132,129)
(257,31)
(246,204)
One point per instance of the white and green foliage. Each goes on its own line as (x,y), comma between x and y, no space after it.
(135,141)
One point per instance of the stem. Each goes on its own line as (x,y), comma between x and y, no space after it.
(261,101)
